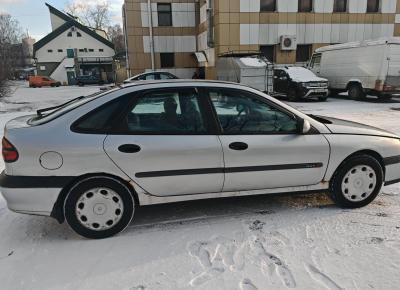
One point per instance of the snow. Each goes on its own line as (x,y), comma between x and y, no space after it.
(301,74)
(253,62)
(260,242)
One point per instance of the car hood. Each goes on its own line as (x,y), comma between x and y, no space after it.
(339,126)
(308,79)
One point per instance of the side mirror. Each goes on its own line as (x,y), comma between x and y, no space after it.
(303,126)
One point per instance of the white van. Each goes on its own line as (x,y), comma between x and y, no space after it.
(368,67)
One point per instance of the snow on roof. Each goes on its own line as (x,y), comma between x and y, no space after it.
(253,62)
(370,42)
(301,74)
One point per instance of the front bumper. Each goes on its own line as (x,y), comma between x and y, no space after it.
(29,195)
(315,92)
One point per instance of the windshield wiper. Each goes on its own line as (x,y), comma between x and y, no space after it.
(41,111)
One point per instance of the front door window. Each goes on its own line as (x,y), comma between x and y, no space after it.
(239,113)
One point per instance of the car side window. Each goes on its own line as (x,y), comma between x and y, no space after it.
(165,77)
(241,113)
(150,77)
(101,119)
(165,112)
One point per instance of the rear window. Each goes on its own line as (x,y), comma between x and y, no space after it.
(62,109)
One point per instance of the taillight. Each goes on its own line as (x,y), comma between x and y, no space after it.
(10,153)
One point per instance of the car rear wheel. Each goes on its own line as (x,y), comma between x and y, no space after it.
(356,92)
(357,182)
(99,207)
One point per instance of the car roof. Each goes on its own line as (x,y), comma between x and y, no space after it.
(180,82)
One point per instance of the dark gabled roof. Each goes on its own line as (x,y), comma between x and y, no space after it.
(70,22)
(58,13)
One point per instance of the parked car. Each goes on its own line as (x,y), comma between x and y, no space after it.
(299,83)
(151,76)
(168,141)
(41,81)
(370,67)
(89,80)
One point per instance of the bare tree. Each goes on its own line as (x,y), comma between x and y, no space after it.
(116,37)
(10,37)
(93,15)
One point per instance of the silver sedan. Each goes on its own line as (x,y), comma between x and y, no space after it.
(95,159)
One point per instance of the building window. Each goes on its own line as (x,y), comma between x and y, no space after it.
(81,50)
(305,5)
(69,34)
(78,34)
(50,50)
(91,50)
(101,50)
(60,50)
(167,60)
(340,6)
(373,6)
(303,52)
(268,51)
(164,14)
(268,5)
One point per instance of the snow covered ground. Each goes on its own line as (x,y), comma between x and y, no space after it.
(262,242)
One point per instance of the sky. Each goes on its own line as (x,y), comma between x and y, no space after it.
(34,17)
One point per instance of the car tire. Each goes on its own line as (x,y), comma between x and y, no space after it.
(80,84)
(99,207)
(292,95)
(356,92)
(357,182)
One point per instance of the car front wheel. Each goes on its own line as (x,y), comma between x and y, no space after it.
(99,207)
(357,182)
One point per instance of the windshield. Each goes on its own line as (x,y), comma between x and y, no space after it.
(55,112)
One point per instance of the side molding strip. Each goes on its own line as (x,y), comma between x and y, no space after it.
(182,172)
(391,160)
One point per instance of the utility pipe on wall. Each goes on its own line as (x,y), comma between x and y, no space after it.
(150,19)
(210,24)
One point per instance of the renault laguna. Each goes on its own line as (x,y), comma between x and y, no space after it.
(93,160)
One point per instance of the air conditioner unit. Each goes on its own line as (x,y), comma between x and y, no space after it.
(288,42)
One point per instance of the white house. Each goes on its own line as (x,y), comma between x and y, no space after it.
(73,49)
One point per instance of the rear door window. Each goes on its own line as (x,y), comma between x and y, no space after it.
(170,112)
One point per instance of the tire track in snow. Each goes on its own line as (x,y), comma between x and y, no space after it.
(322,278)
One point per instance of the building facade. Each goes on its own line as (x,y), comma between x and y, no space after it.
(73,49)
(182,36)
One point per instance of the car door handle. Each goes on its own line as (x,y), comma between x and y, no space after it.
(129,148)
(239,146)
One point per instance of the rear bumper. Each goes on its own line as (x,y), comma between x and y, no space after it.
(30,195)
